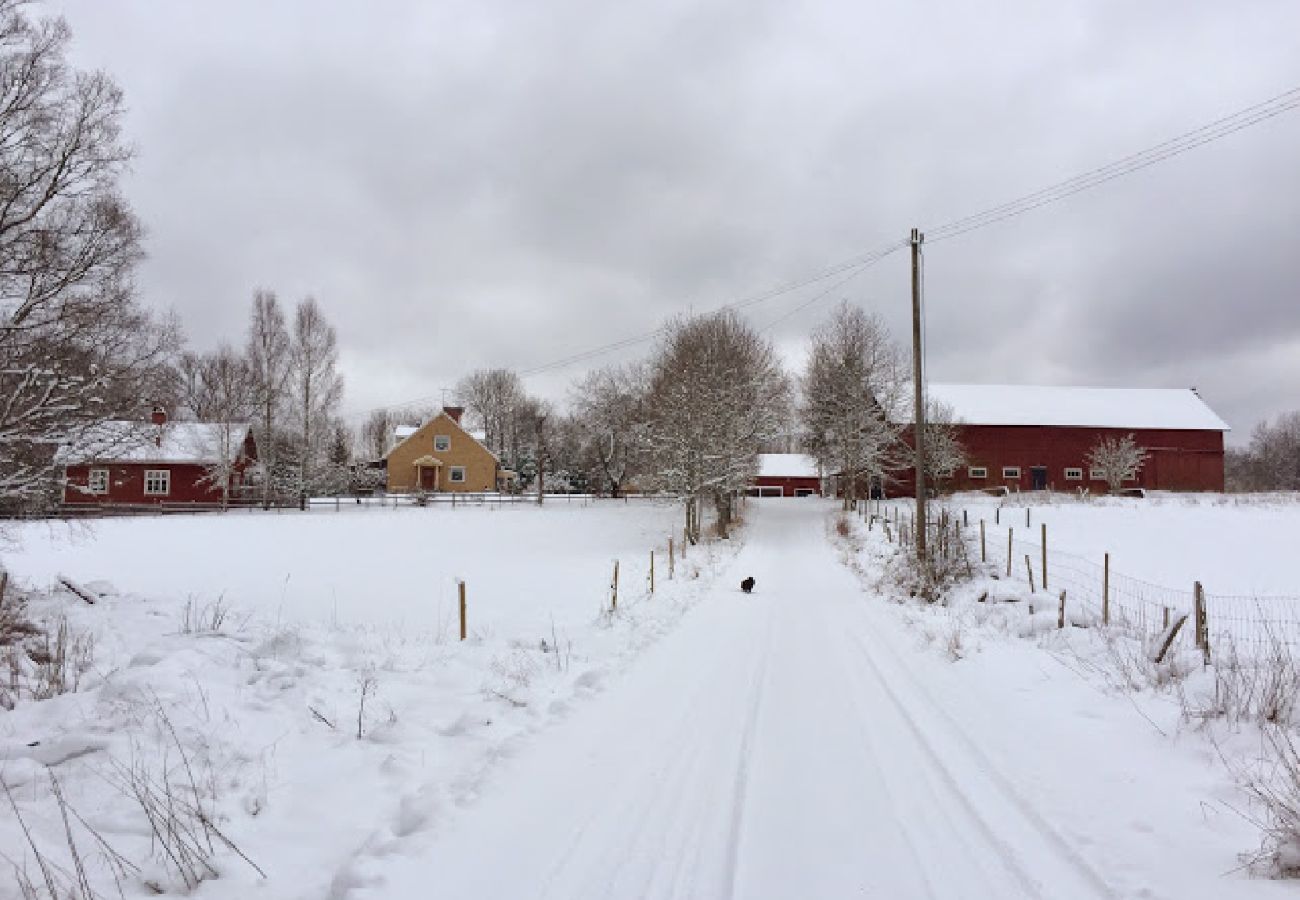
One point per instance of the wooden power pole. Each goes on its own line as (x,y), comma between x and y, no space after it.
(541,458)
(918,425)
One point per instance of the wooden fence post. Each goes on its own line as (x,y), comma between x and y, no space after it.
(652,571)
(997,515)
(1009,532)
(1044,556)
(1165,617)
(671,563)
(1029,569)
(460,586)
(1105,591)
(1202,622)
(613,587)
(1060,617)
(1026,516)
(984,553)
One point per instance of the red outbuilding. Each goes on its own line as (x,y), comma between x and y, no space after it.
(138,463)
(1036,438)
(786,475)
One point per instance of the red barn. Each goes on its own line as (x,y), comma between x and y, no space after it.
(1035,438)
(130,463)
(786,475)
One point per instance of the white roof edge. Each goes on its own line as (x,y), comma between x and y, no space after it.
(1164,409)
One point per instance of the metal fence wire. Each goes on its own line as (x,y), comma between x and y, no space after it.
(1252,624)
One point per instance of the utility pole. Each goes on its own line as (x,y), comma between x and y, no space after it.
(918,425)
(541,457)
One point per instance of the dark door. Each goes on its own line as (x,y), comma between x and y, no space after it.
(426,478)
(1038,475)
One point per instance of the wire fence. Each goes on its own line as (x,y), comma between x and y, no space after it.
(329,504)
(1254,625)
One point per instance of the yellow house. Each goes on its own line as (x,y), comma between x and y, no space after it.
(440,455)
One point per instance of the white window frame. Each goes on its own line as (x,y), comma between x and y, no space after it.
(158,475)
(1073,473)
(1009,472)
(441,443)
(1096,475)
(453,472)
(95,475)
(977,472)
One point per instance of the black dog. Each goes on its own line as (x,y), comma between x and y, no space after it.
(747,585)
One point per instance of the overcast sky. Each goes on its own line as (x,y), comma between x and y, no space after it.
(477,184)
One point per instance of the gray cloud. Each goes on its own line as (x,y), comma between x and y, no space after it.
(470,184)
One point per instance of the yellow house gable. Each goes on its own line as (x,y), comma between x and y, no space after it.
(441,456)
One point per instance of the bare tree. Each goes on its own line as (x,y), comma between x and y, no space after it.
(315,389)
(1272,460)
(490,397)
(75,347)
(269,353)
(855,377)
(610,403)
(224,397)
(944,453)
(716,393)
(1119,459)
(377,433)
(215,387)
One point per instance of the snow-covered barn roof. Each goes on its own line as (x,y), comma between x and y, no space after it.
(786,465)
(198,443)
(402,432)
(1080,407)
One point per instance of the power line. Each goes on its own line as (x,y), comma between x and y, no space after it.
(1176,146)
(877,257)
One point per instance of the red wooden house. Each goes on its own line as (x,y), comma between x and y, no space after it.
(786,475)
(1035,438)
(138,463)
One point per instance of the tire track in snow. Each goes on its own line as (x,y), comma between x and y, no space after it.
(880,762)
(741,787)
(1088,884)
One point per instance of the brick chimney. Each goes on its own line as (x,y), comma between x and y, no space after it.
(455,412)
(159,418)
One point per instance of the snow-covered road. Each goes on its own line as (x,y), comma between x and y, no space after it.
(774,746)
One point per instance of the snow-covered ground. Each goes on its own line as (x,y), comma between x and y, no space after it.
(814,739)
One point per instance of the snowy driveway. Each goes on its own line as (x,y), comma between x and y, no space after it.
(774,746)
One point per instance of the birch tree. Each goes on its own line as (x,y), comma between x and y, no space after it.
(269,353)
(75,347)
(855,375)
(716,393)
(221,394)
(315,389)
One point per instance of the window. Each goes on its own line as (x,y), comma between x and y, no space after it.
(97,482)
(1011,471)
(1097,475)
(1073,474)
(442,443)
(978,472)
(457,475)
(157,482)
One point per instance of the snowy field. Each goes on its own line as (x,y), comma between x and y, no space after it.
(1232,544)
(291,689)
(365,566)
(241,647)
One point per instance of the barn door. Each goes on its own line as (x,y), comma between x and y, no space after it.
(1038,475)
